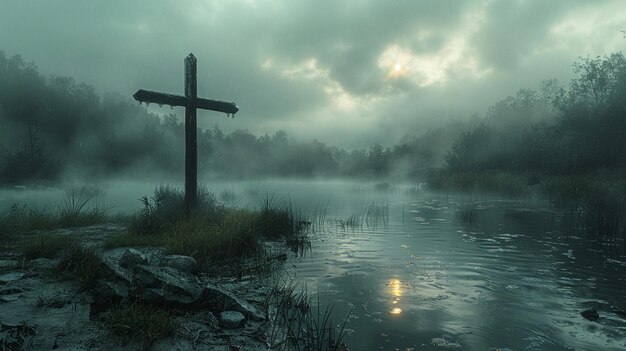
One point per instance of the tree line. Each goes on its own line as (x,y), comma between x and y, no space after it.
(52,127)
(558,131)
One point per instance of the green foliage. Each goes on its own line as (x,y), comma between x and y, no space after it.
(140,322)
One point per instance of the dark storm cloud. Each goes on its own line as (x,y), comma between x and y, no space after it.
(513,29)
(346,72)
(348,36)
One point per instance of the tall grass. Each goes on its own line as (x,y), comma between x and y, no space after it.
(595,204)
(300,326)
(372,215)
(377,214)
(214,231)
(80,206)
(468,213)
(315,220)
(277,218)
(166,208)
(232,236)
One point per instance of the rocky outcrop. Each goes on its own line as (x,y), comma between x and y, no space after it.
(185,264)
(165,286)
(232,319)
(223,300)
(168,285)
(131,258)
(590,314)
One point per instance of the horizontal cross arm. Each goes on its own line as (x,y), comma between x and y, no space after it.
(160,98)
(217,105)
(177,100)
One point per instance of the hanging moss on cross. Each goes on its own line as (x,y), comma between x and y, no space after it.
(191,102)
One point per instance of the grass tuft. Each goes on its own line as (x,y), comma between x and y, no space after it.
(305,328)
(276,218)
(213,231)
(233,236)
(142,322)
(81,261)
(80,207)
(47,246)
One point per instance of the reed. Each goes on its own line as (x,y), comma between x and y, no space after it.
(300,326)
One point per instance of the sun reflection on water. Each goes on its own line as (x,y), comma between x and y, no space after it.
(395,289)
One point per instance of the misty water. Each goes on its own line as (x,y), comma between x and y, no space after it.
(419,276)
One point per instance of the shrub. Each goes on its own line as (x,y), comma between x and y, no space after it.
(166,207)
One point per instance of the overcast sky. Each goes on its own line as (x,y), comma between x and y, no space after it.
(348,73)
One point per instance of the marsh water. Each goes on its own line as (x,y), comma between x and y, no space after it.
(417,270)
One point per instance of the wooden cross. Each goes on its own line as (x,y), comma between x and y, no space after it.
(191,102)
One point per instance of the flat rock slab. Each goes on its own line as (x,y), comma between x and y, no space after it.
(8,264)
(9,298)
(232,319)
(10,277)
(41,263)
(131,257)
(225,300)
(185,264)
(166,285)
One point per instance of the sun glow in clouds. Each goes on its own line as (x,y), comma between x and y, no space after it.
(455,57)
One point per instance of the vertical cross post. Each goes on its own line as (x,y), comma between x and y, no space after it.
(191,142)
(191,102)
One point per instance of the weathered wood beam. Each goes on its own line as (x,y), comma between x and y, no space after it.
(191,142)
(154,97)
(217,105)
